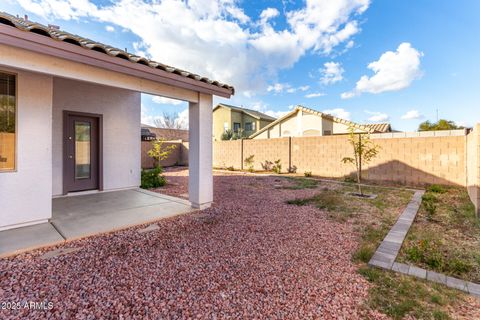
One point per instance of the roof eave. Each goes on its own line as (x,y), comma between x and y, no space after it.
(40,44)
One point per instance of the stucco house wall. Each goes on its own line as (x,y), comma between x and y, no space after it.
(220,117)
(27,191)
(121,130)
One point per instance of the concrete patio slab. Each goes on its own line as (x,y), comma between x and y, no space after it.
(27,238)
(80,216)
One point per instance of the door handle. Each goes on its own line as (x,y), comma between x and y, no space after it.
(70,157)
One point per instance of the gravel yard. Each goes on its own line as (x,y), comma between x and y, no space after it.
(249,256)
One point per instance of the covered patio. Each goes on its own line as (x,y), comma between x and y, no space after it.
(75,217)
(73,109)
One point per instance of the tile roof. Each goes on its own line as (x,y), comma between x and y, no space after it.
(380,127)
(253,113)
(59,35)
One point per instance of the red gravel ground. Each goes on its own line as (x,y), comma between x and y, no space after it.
(249,256)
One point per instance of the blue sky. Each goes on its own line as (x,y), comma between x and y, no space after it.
(369,61)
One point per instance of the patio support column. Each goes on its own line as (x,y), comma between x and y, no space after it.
(200,181)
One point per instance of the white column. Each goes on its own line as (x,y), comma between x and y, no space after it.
(200,181)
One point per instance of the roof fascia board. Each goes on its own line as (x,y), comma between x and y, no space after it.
(37,43)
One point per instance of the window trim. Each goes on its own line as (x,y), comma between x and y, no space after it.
(15,160)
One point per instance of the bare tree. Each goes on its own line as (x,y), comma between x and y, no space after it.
(169,121)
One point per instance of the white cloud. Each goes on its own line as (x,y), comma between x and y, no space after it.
(392,72)
(276,114)
(163,100)
(247,52)
(314,95)
(332,72)
(268,14)
(110,28)
(264,108)
(377,116)
(285,87)
(278,87)
(339,113)
(411,115)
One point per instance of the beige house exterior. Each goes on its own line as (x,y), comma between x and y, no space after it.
(227,117)
(305,122)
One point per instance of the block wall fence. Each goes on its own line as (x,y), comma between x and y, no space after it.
(413,159)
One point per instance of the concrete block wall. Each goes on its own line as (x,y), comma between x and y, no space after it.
(420,160)
(473,167)
(227,154)
(267,149)
(416,160)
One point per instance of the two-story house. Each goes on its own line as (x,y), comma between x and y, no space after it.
(239,120)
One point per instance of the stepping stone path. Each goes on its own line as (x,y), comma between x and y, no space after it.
(388,250)
(151,227)
(59,252)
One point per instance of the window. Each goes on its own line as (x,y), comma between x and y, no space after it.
(248,126)
(225,126)
(236,126)
(327,132)
(253,126)
(7,121)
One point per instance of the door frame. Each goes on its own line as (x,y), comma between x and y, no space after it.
(66,114)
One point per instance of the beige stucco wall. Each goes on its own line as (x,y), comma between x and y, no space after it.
(220,117)
(121,130)
(304,124)
(26,193)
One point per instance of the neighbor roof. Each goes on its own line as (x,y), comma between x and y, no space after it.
(254,113)
(54,33)
(380,127)
(366,128)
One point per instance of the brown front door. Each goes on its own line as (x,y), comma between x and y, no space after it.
(82,150)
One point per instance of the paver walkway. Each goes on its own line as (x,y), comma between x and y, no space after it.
(388,250)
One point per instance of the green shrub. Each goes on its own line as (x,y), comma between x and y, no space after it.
(151,178)
(429,202)
(249,161)
(277,168)
(435,188)
(458,265)
(298,202)
(267,165)
(364,253)
(371,274)
(308,173)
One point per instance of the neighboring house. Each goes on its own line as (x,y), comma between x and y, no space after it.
(305,122)
(167,134)
(227,117)
(70,119)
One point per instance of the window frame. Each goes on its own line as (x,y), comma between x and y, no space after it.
(15,159)
(249,124)
(239,127)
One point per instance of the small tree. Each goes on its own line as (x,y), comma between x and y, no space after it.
(227,135)
(159,152)
(249,162)
(364,150)
(170,121)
